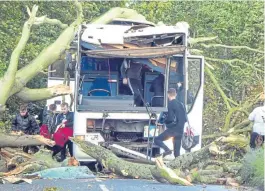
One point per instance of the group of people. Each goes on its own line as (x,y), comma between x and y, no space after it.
(58,127)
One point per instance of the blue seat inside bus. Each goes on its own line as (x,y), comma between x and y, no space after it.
(100,87)
(105,80)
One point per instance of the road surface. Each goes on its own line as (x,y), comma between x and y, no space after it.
(96,184)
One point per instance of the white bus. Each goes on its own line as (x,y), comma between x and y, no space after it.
(104,109)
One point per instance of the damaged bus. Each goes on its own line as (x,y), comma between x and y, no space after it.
(104,108)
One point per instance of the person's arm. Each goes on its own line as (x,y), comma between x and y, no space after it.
(171,113)
(252,115)
(14,124)
(181,115)
(70,120)
(35,129)
(123,69)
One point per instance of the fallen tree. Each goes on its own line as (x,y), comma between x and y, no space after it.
(7,140)
(187,168)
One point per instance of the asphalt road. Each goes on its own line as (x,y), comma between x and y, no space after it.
(96,184)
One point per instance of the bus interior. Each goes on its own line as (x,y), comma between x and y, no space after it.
(101,87)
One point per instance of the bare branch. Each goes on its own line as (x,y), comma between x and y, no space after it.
(196,51)
(229,116)
(49,55)
(44,19)
(230,63)
(209,65)
(225,98)
(27,94)
(231,47)
(226,133)
(8,80)
(193,41)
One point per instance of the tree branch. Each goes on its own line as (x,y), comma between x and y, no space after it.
(49,55)
(193,41)
(230,62)
(7,82)
(196,51)
(27,94)
(231,47)
(226,133)
(225,98)
(229,115)
(45,20)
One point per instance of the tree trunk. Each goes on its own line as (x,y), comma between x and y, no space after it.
(27,94)
(23,140)
(113,163)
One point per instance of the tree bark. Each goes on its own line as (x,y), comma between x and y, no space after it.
(227,133)
(27,94)
(7,82)
(113,163)
(23,140)
(50,54)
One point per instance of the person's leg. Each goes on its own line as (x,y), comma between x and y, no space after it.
(63,152)
(177,145)
(26,149)
(159,140)
(56,149)
(70,147)
(133,85)
(140,92)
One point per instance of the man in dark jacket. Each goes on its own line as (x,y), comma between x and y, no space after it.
(24,123)
(157,87)
(131,74)
(63,120)
(175,121)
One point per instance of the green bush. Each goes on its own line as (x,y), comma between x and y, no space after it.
(252,172)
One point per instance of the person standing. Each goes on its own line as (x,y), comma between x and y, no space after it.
(131,74)
(64,130)
(47,128)
(24,123)
(175,120)
(258,117)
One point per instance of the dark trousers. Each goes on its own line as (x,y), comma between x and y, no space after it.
(56,149)
(168,133)
(137,90)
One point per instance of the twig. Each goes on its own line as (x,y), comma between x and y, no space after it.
(225,133)
(232,47)
(225,98)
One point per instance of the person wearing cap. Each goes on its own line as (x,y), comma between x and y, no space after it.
(174,122)
(131,74)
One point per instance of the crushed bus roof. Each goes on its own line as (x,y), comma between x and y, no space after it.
(143,52)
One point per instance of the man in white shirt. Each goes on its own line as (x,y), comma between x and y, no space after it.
(258,131)
(258,117)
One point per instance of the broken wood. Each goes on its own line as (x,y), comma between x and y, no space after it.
(23,140)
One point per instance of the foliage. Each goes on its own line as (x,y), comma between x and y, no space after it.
(235,24)
(252,171)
